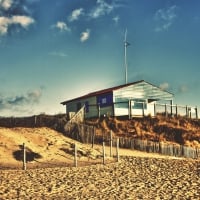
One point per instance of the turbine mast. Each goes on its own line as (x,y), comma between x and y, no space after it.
(126,44)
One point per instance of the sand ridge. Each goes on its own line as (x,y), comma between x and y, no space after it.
(51,146)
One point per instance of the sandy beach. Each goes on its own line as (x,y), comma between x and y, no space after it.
(131,178)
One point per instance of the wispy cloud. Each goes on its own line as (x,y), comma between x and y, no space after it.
(85,35)
(61,26)
(165,18)
(30,98)
(182,89)
(76,14)
(164,86)
(102,8)
(58,53)
(116,19)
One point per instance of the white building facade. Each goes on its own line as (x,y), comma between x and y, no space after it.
(132,99)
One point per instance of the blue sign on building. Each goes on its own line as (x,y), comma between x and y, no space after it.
(105,100)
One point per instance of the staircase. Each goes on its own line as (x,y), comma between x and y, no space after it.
(71,127)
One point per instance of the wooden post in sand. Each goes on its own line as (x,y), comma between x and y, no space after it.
(104,153)
(75,155)
(24,157)
(196,112)
(117,149)
(111,144)
(93,135)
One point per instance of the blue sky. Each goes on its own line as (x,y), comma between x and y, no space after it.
(51,51)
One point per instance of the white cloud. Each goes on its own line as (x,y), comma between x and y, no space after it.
(102,8)
(76,14)
(24,21)
(5,4)
(116,19)
(165,18)
(62,26)
(164,86)
(85,35)
(6,22)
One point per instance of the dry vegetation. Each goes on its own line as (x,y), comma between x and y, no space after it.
(174,130)
(48,147)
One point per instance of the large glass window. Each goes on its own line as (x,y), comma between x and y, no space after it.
(138,104)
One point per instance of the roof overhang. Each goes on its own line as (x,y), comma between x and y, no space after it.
(155,92)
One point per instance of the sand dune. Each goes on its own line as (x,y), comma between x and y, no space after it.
(51,175)
(52,147)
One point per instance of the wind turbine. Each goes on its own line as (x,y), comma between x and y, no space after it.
(126,44)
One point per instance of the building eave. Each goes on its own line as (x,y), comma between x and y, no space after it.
(109,90)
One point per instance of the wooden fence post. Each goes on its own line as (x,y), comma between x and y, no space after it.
(129,109)
(75,155)
(186,111)
(176,110)
(117,149)
(93,135)
(165,110)
(111,144)
(24,157)
(104,153)
(171,106)
(196,112)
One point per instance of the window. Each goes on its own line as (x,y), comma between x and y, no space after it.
(138,104)
(78,106)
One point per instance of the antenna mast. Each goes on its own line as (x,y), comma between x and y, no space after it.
(125,55)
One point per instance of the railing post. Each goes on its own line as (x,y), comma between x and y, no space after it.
(165,110)
(143,109)
(155,109)
(171,104)
(189,112)
(196,112)
(176,110)
(186,111)
(129,109)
